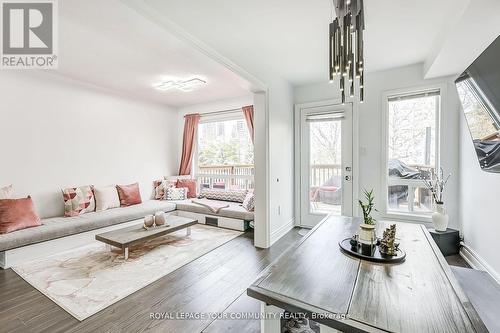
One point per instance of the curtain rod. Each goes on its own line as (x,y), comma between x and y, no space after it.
(212,113)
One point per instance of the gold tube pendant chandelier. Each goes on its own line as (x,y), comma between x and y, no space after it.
(346,58)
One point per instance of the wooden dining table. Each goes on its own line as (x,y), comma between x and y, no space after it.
(318,281)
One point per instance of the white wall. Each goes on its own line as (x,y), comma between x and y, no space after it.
(281,158)
(479,196)
(55,133)
(370,126)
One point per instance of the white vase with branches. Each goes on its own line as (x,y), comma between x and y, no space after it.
(436,185)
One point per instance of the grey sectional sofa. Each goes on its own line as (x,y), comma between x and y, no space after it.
(57,227)
(235,210)
(233,217)
(62,233)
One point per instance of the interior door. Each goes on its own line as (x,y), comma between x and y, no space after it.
(325,162)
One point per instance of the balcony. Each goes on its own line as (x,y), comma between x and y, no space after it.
(226,176)
(325,189)
(407,192)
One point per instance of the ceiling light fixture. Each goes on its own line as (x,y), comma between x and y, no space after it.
(346,46)
(182,85)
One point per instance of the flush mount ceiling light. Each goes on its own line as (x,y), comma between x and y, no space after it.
(183,85)
(346,46)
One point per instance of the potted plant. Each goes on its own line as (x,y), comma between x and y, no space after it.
(367,229)
(436,185)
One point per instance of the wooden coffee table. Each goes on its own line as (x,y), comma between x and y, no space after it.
(125,237)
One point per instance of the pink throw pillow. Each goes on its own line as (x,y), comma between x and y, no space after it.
(129,194)
(17,214)
(190,184)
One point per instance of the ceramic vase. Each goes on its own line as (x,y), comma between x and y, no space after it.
(440,218)
(149,221)
(160,218)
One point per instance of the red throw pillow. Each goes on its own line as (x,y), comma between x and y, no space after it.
(17,214)
(129,194)
(190,184)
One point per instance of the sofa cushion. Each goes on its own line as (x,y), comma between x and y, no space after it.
(57,227)
(249,202)
(129,194)
(106,198)
(161,187)
(78,200)
(234,210)
(190,184)
(175,193)
(224,195)
(17,214)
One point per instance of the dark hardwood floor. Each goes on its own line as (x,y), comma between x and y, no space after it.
(456,260)
(213,283)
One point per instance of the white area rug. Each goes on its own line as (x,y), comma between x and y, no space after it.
(88,279)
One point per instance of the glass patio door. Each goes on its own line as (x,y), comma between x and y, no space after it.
(326,163)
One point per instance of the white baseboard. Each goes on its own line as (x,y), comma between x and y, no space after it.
(281,231)
(475,261)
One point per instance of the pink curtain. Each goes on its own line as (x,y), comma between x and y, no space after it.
(190,126)
(248,112)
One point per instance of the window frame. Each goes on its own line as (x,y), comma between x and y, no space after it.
(218,117)
(385,212)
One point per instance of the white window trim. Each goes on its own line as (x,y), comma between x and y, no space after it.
(410,216)
(207,118)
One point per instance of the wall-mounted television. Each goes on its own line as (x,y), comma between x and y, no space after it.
(479,91)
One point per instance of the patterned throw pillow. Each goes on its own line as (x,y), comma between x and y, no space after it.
(159,189)
(224,195)
(249,202)
(78,200)
(176,193)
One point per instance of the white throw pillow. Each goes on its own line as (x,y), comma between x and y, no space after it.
(6,192)
(176,193)
(106,198)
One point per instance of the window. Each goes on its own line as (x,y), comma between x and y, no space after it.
(225,154)
(412,151)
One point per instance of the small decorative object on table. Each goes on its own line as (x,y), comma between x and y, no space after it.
(436,185)
(387,244)
(157,220)
(367,237)
(149,221)
(160,219)
(354,242)
(364,244)
(388,250)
